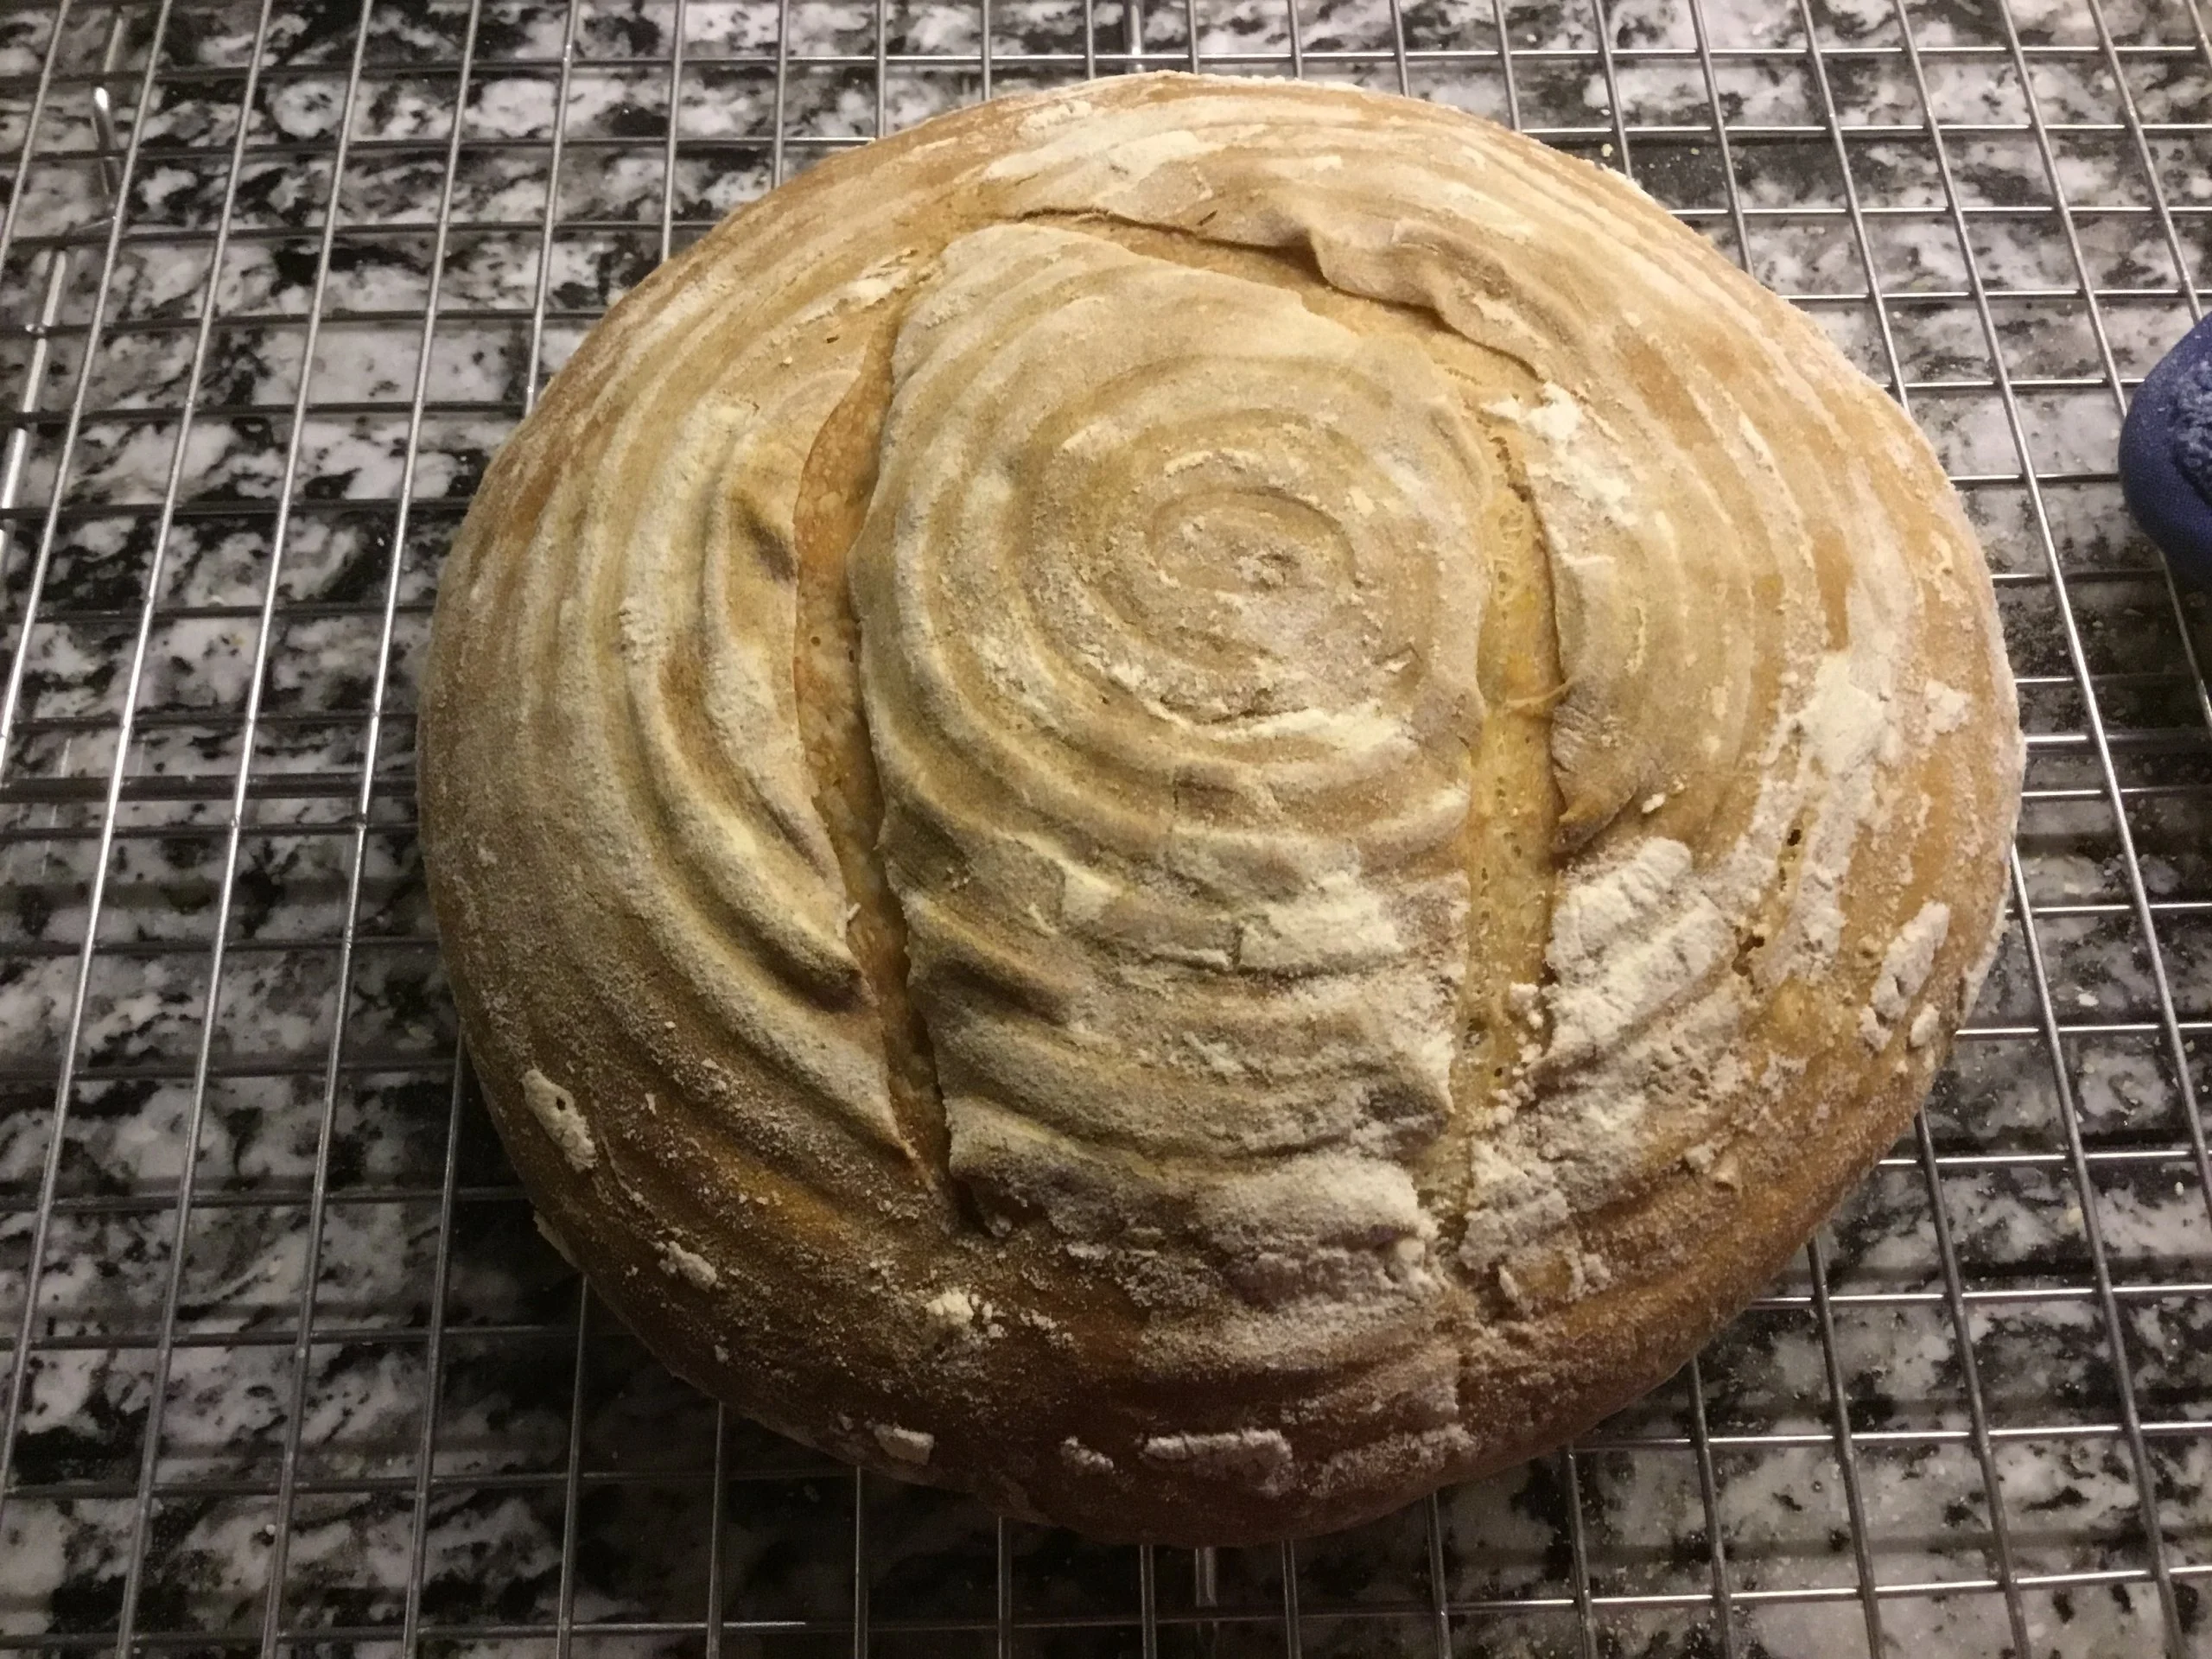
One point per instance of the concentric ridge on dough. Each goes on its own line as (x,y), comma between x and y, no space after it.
(1195,803)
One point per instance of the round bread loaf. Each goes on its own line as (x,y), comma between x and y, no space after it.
(1195,803)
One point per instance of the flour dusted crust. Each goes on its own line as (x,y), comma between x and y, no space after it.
(1195,803)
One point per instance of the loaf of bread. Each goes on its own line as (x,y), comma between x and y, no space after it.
(1195,803)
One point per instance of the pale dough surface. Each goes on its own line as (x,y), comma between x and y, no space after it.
(1198,802)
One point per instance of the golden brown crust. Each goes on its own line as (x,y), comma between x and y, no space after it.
(1197,803)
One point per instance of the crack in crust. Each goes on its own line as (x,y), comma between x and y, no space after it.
(834,489)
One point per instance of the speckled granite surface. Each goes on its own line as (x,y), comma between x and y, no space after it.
(328,1064)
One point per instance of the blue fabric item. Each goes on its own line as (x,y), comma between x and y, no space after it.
(2193,424)
(2165,456)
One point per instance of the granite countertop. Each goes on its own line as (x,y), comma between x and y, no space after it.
(331,1051)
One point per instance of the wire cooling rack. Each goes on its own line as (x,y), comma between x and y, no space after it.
(275,281)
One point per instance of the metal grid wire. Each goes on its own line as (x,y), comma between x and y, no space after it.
(277,280)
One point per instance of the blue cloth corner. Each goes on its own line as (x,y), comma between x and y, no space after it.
(2165,456)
